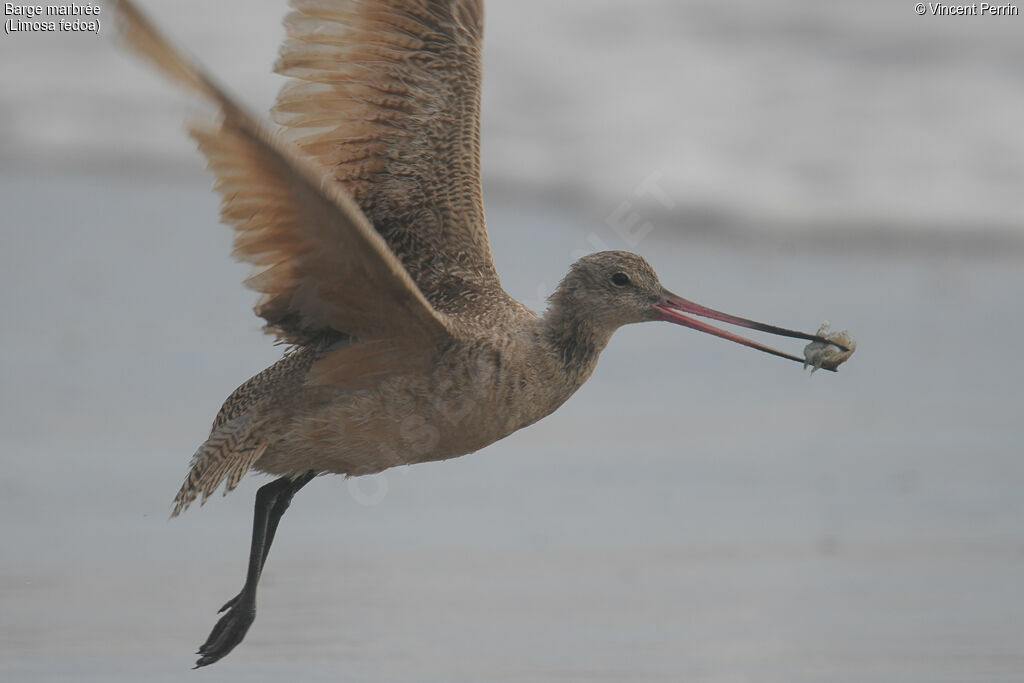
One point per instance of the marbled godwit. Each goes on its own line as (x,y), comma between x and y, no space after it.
(366,227)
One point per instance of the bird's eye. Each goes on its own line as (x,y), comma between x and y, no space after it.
(620,279)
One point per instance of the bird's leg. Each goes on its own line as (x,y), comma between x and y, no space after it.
(271,502)
(280,504)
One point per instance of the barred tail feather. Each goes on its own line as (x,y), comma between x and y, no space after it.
(233,447)
(241,465)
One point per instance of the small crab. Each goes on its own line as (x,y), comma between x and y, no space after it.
(831,355)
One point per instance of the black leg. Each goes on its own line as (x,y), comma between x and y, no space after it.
(280,504)
(271,502)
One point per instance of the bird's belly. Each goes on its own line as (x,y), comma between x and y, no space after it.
(404,421)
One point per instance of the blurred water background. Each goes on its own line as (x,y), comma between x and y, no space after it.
(697,512)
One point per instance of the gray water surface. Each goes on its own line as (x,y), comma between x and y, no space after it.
(698,511)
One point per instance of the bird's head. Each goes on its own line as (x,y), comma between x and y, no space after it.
(610,289)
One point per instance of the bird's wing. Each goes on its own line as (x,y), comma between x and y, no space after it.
(386,93)
(321,267)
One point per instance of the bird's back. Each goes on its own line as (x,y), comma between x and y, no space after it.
(270,386)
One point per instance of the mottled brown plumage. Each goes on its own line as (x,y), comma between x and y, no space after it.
(364,223)
(386,95)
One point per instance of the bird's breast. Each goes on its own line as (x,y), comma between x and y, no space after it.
(476,396)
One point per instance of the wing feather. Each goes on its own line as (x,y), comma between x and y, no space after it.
(385,93)
(321,267)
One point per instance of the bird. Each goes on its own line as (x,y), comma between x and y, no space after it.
(362,216)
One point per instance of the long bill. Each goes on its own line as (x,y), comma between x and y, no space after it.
(671,308)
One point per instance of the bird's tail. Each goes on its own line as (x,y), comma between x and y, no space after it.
(228,454)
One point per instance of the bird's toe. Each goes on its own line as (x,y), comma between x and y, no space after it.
(229,631)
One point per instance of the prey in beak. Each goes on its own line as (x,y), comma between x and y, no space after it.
(672,308)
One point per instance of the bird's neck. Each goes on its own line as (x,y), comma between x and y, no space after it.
(574,339)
